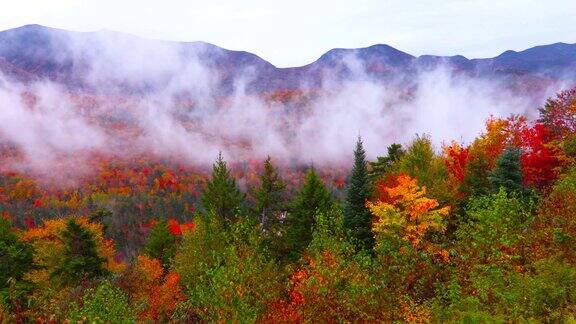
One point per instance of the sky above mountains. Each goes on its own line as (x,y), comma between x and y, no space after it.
(293,33)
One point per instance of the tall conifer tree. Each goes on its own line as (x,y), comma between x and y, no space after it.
(222,195)
(270,197)
(476,181)
(508,171)
(81,258)
(16,257)
(357,218)
(312,198)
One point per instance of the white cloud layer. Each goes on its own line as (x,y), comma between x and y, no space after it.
(55,128)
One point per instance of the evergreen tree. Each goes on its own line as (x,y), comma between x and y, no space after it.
(161,243)
(475,182)
(81,259)
(312,198)
(270,197)
(16,258)
(357,218)
(222,195)
(508,171)
(385,163)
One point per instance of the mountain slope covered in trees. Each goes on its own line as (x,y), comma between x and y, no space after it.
(478,232)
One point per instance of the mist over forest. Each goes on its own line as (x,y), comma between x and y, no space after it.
(160,181)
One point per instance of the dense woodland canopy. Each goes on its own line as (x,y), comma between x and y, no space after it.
(468,233)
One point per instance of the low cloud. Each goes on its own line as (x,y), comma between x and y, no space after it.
(180,111)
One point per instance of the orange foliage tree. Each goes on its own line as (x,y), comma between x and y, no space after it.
(150,285)
(411,260)
(499,134)
(409,214)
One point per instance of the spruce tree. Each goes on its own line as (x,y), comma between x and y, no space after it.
(15,256)
(222,195)
(475,182)
(270,197)
(357,218)
(161,243)
(312,198)
(384,164)
(81,259)
(508,171)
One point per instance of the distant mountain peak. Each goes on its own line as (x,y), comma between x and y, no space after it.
(37,52)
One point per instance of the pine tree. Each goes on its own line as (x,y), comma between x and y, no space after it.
(312,198)
(508,171)
(81,259)
(161,244)
(476,181)
(222,195)
(385,163)
(15,257)
(270,196)
(357,217)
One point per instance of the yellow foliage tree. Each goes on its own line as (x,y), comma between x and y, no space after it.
(499,134)
(49,254)
(49,246)
(408,212)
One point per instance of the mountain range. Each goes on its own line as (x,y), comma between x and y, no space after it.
(34,52)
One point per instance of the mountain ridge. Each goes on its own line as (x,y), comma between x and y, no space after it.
(35,51)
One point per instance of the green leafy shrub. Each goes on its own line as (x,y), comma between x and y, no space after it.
(103,304)
(226,274)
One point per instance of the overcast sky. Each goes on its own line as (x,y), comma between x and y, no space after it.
(296,32)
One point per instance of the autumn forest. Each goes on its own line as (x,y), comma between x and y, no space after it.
(460,232)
